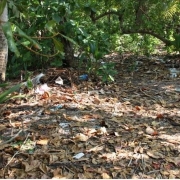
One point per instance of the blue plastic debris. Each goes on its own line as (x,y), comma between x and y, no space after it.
(59,106)
(56,107)
(83,77)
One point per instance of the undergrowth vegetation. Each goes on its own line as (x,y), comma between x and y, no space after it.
(50,33)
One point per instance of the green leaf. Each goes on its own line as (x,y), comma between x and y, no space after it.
(2,6)
(93,47)
(57,18)
(4,96)
(8,33)
(24,35)
(50,25)
(3,85)
(58,45)
(69,39)
(29,83)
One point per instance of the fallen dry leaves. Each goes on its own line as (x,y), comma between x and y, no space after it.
(89,130)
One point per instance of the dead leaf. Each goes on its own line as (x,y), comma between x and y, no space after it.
(155,123)
(96,101)
(2,127)
(155,154)
(33,165)
(138,108)
(81,176)
(168,166)
(45,95)
(81,137)
(138,149)
(156,165)
(109,155)
(114,175)
(53,158)
(160,116)
(172,176)
(95,149)
(94,161)
(87,117)
(102,130)
(57,174)
(175,160)
(43,168)
(105,176)
(42,142)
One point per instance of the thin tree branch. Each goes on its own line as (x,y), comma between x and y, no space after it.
(124,31)
(44,55)
(166,41)
(93,18)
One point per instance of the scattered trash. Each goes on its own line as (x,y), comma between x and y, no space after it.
(59,80)
(55,108)
(177,89)
(59,106)
(83,77)
(78,156)
(35,81)
(102,62)
(102,130)
(151,131)
(42,88)
(173,72)
(64,125)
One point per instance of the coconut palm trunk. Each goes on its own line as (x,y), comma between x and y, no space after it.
(3,45)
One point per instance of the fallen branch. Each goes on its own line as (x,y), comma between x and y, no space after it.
(8,141)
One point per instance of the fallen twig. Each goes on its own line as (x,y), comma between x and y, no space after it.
(130,162)
(11,139)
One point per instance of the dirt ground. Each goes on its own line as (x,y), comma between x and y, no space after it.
(87,129)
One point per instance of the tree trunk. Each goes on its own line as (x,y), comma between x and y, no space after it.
(68,60)
(3,46)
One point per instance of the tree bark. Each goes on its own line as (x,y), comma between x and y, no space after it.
(3,46)
(68,60)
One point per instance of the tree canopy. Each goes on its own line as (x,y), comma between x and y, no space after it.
(51,32)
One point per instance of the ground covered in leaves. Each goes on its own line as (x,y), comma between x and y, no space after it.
(126,129)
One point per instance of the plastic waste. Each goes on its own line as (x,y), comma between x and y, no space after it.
(55,108)
(83,77)
(59,80)
(79,155)
(42,88)
(174,72)
(35,81)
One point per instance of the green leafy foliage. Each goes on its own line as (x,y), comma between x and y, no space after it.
(58,45)
(176,42)
(107,71)
(5,95)
(45,32)
(24,35)
(11,43)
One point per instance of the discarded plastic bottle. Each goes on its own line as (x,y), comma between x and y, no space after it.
(83,77)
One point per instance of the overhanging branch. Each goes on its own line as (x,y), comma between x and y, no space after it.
(95,18)
(128,31)
(166,41)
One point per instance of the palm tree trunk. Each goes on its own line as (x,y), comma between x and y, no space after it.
(3,46)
